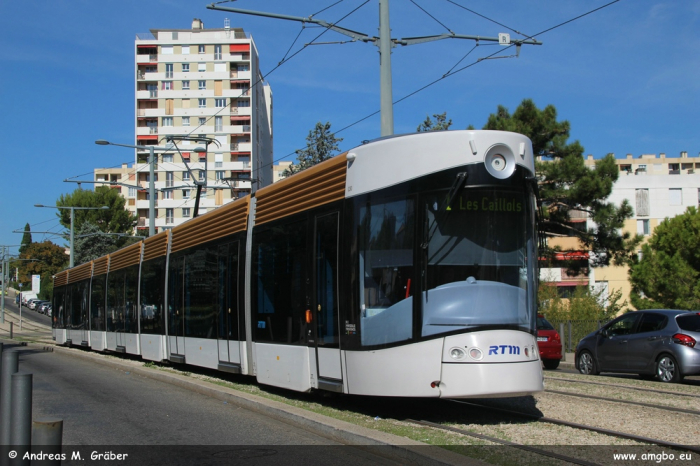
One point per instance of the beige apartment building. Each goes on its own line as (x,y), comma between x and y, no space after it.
(196,83)
(656,187)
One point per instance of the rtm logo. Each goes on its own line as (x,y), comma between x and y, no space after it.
(504,349)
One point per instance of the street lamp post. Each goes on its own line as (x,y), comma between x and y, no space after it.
(72,223)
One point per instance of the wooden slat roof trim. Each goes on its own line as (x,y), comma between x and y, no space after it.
(224,221)
(61,278)
(315,186)
(155,246)
(100,266)
(81,272)
(125,257)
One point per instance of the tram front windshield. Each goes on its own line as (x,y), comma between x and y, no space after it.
(471,261)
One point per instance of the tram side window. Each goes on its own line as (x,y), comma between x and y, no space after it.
(152,293)
(200,293)
(97,303)
(131,275)
(386,243)
(58,307)
(68,308)
(280,256)
(80,306)
(115,301)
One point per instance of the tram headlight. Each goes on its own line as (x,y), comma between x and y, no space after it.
(498,162)
(476,353)
(457,353)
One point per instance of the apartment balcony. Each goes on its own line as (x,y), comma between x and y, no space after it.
(241,146)
(147,94)
(240,129)
(147,58)
(235,74)
(146,130)
(150,112)
(241,111)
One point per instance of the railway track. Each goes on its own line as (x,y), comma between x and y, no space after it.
(616,400)
(628,387)
(542,451)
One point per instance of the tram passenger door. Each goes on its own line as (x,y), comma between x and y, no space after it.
(229,335)
(176,308)
(325,302)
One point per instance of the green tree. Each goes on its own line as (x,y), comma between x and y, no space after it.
(584,304)
(321,144)
(567,186)
(668,274)
(116,219)
(49,259)
(441,123)
(91,243)
(26,239)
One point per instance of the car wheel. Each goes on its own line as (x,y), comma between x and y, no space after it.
(550,364)
(667,369)
(586,364)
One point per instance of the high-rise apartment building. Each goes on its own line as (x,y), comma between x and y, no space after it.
(199,83)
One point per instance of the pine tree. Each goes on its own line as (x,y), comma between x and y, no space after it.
(441,123)
(321,145)
(26,239)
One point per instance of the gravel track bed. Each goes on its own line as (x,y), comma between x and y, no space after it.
(633,383)
(626,395)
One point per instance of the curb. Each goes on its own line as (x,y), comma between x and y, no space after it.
(375,441)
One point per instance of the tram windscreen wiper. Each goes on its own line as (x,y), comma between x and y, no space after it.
(459,183)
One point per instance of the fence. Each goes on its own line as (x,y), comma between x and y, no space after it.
(572,331)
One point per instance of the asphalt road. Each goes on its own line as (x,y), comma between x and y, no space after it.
(106,408)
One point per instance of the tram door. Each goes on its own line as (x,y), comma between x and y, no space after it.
(229,349)
(325,303)
(176,306)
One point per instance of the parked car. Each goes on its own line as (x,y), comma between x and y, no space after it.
(31,303)
(37,304)
(549,343)
(49,310)
(41,308)
(658,343)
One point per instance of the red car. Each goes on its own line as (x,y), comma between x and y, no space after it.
(549,343)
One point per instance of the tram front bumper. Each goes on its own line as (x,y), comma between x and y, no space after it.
(494,380)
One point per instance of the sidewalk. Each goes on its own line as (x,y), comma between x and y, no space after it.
(29,331)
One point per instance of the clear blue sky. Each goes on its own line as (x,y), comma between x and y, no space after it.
(626,77)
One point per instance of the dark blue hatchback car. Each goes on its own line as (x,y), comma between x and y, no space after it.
(658,343)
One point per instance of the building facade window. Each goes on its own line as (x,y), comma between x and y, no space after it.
(169,179)
(168,70)
(200,48)
(185,49)
(643,227)
(185,177)
(218,160)
(167,121)
(185,212)
(168,194)
(201,175)
(132,192)
(202,121)
(675,196)
(202,85)
(220,103)
(167,158)
(185,85)
(220,175)
(186,193)
(185,67)
(185,121)
(218,123)
(202,103)
(642,198)
(202,67)
(169,216)
(167,86)
(217,52)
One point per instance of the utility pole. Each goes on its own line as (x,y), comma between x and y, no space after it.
(385,44)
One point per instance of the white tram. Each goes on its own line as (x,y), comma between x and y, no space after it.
(404,267)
